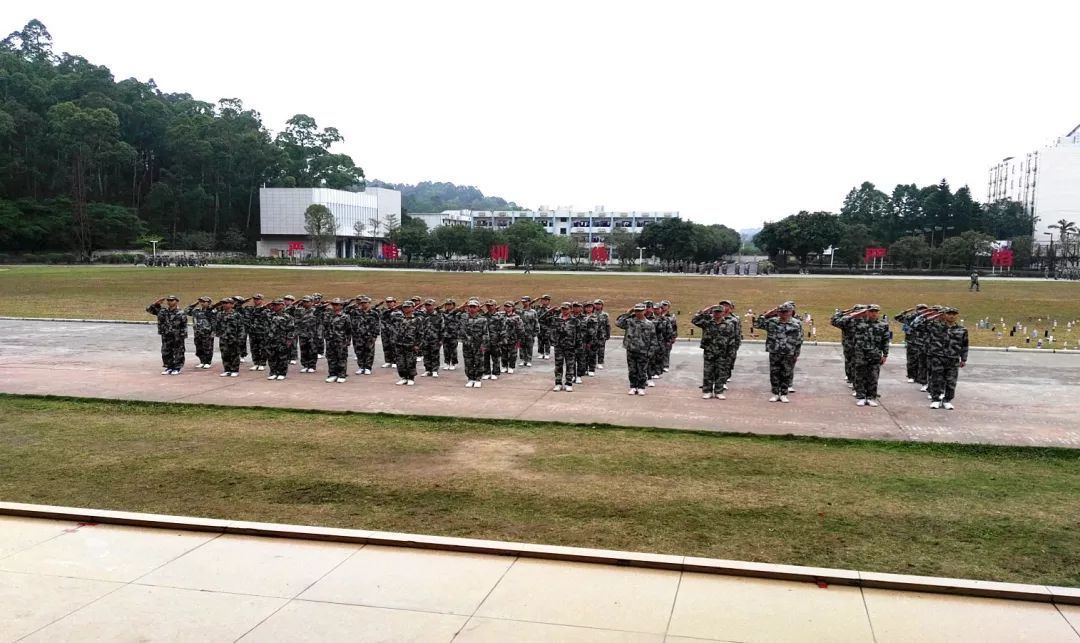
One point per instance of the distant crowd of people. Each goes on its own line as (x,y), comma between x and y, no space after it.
(183,261)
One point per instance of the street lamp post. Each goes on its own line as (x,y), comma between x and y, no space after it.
(640,255)
(154,243)
(1052,253)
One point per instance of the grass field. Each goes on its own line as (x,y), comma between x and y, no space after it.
(960,511)
(124,293)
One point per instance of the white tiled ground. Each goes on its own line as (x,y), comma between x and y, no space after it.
(61,581)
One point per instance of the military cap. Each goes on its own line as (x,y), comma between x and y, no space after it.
(546,297)
(565,304)
(923,306)
(429,302)
(258,296)
(576,304)
(206,299)
(490,302)
(599,302)
(363,299)
(716,309)
(317,295)
(227,300)
(450,301)
(665,303)
(508,303)
(725,302)
(237,299)
(173,297)
(640,306)
(785,308)
(948,310)
(408,303)
(873,307)
(648,303)
(416,298)
(306,298)
(337,301)
(861,306)
(289,297)
(588,303)
(790,303)
(526,298)
(278,301)
(472,302)
(391,299)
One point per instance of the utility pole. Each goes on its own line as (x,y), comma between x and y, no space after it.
(640,255)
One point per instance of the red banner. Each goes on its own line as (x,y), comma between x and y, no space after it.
(500,252)
(296,245)
(1002,258)
(872,253)
(390,251)
(601,254)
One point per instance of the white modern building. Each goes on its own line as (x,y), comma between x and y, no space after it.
(1046,182)
(590,227)
(361,219)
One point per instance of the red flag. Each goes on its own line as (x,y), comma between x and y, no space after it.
(873,252)
(500,252)
(390,251)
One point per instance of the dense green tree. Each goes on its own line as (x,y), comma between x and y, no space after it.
(528,241)
(669,239)
(624,244)
(450,240)
(1022,250)
(869,207)
(966,248)
(852,244)
(801,235)
(321,226)
(411,237)
(1005,219)
(909,252)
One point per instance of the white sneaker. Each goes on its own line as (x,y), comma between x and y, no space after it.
(911,380)
(600,366)
(494,376)
(272,377)
(243,359)
(359,371)
(469,384)
(281,377)
(410,383)
(341,380)
(655,377)
(331,379)
(400,382)
(725,387)
(386,365)
(568,388)
(175,371)
(557,387)
(850,385)
(632,391)
(577,380)
(720,396)
(254,368)
(367,371)
(393,366)
(861,402)
(948,406)
(783,398)
(225,374)
(706,396)
(925,388)
(775,398)
(502,369)
(854,394)
(426,374)
(591,373)
(929,397)
(872,402)
(935,404)
(320,355)
(641,391)
(510,371)
(790,390)
(166,371)
(486,376)
(292,361)
(666,369)
(262,368)
(234,374)
(528,364)
(435,374)
(651,383)
(476,384)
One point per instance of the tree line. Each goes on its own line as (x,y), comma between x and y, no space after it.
(921,227)
(88,162)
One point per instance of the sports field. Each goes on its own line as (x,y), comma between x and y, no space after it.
(124,293)
(984,512)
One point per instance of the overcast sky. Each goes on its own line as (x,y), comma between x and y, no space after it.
(732,113)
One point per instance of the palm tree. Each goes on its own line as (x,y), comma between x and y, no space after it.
(1064,229)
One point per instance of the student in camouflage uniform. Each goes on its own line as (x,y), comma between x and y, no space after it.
(656,352)
(202,320)
(911,340)
(587,328)
(592,337)
(784,338)
(545,316)
(451,333)
(921,327)
(322,309)
(565,339)
(736,342)
(408,335)
(307,331)
(172,326)
(603,326)
(239,301)
(869,350)
(513,337)
(431,338)
(474,341)
(846,341)
(337,331)
(386,328)
(257,323)
(717,339)
(639,340)
(365,324)
(279,341)
(531,328)
(947,346)
(672,330)
(293,309)
(229,328)
(496,328)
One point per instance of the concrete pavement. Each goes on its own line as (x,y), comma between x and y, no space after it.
(1003,398)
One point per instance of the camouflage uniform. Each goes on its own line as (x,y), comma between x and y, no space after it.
(496,328)
(172,326)
(366,325)
(783,340)
(736,342)
(512,339)
(431,340)
(717,342)
(947,347)
(659,348)
(296,311)
(257,323)
(386,328)
(202,321)
(566,340)
(229,328)
(337,332)
(603,326)
(919,331)
(673,333)
(308,336)
(869,344)
(530,329)
(545,319)
(451,334)
(640,342)
(587,328)
(408,334)
(474,343)
(279,342)
(846,344)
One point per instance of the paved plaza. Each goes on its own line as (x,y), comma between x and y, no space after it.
(1003,398)
(76,581)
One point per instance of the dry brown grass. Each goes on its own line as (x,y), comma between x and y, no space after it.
(123,293)
(961,511)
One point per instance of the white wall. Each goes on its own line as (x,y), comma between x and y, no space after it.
(1058,187)
(282,209)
